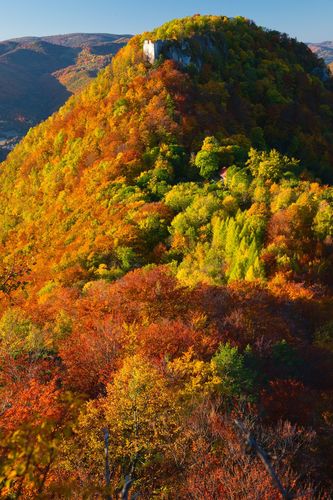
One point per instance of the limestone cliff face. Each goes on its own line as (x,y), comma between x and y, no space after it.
(152,50)
(186,52)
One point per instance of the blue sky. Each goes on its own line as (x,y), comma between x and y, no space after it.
(307,20)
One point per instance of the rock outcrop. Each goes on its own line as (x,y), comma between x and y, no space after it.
(186,52)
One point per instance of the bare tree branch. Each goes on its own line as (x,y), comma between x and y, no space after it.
(254,447)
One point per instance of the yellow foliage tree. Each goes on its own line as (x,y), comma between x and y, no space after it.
(142,418)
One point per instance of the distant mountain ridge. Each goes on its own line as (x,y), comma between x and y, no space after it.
(323,50)
(73,40)
(38,74)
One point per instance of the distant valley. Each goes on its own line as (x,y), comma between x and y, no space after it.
(38,74)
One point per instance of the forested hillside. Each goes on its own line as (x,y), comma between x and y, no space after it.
(166,276)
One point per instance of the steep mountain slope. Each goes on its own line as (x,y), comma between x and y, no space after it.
(37,75)
(263,91)
(166,269)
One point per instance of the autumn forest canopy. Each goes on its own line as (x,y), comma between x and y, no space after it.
(166,276)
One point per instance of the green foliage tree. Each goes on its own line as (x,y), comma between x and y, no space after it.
(271,166)
(237,379)
(208,163)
